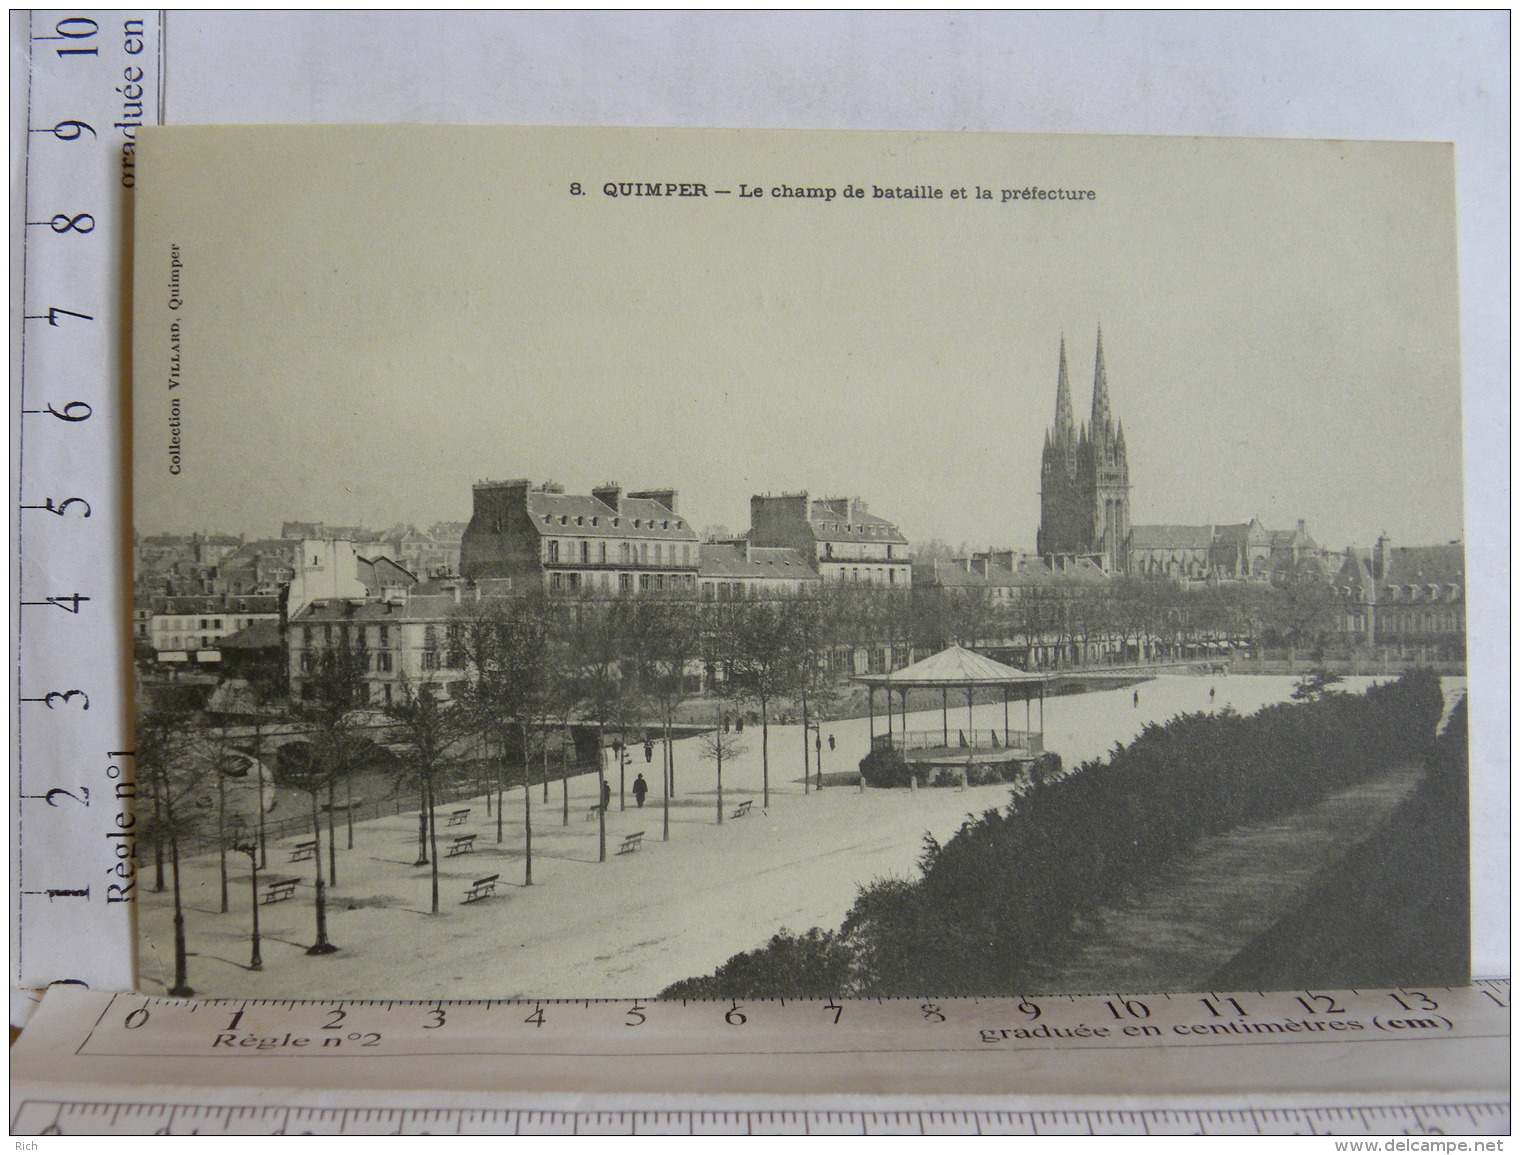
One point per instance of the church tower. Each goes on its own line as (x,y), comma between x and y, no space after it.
(1060,524)
(1084,479)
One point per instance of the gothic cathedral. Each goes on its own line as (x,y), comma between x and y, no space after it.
(1084,480)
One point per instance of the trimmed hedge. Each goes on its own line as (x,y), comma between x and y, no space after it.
(1396,911)
(888,769)
(811,965)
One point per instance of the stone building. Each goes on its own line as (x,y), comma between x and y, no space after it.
(412,638)
(739,570)
(607,542)
(838,537)
(1410,600)
(1244,551)
(188,628)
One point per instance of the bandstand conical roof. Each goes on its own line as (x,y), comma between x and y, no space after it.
(956,666)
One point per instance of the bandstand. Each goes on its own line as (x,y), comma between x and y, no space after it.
(980,752)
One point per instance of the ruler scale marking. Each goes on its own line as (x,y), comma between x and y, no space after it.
(87,72)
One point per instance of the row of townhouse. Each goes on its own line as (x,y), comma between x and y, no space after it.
(524,537)
(611,542)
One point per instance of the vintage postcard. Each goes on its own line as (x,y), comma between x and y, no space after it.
(593,562)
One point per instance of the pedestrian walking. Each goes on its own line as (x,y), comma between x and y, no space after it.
(648,750)
(1137,699)
(640,788)
(606,794)
(831,742)
(1211,695)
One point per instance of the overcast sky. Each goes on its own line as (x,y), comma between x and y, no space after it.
(375,318)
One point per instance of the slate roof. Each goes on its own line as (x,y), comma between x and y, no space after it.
(1082,571)
(1426,565)
(1171,536)
(285,548)
(955,666)
(828,524)
(946,574)
(259,636)
(378,573)
(1244,531)
(432,607)
(728,561)
(589,517)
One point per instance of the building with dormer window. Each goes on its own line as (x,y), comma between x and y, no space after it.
(605,543)
(1409,600)
(838,537)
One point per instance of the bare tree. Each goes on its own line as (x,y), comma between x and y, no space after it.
(431,731)
(171,774)
(509,650)
(764,668)
(718,744)
(596,639)
(665,639)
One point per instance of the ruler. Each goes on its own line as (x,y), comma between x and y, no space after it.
(89,80)
(77,1117)
(1216,1061)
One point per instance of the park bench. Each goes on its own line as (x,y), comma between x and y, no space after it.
(301,851)
(279,889)
(742,810)
(458,817)
(463,844)
(593,811)
(481,888)
(631,842)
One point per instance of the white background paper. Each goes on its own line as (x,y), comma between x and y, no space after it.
(1397,76)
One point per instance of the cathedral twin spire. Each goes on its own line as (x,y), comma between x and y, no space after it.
(1084,490)
(1065,434)
(1065,442)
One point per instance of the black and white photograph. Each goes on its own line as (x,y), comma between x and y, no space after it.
(582,563)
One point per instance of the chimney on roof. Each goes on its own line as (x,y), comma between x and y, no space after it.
(666,497)
(521,484)
(610,495)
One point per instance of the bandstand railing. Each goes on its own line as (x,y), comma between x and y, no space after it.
(1022,741)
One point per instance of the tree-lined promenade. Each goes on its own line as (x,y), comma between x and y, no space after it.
(630,925)
(518,670)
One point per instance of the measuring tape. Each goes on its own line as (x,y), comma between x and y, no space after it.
(92,81)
